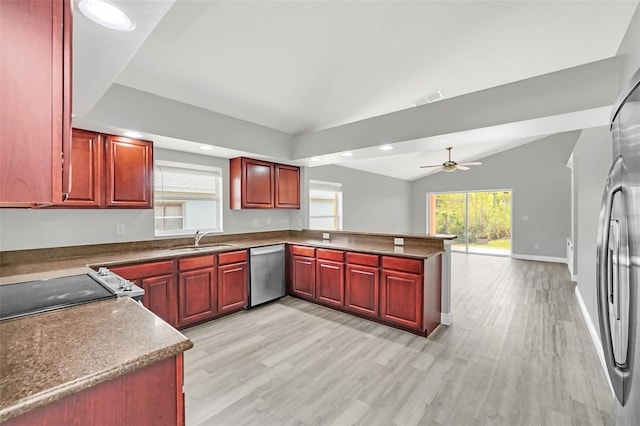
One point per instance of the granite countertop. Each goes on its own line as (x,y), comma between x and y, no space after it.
(80,265)
(46,357)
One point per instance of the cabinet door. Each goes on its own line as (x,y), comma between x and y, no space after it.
(83,168)
(196,296)
(129,165)
(362,287)
(257,184)
(160,297)
(287,194)
(303,276)
(232,287)
(35,82)
(330,282)
(401,298)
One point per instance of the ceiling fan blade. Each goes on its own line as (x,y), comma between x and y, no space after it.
(472,163)
(435,165)
(461,167)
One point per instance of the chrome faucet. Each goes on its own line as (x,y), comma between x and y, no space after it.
(199,235)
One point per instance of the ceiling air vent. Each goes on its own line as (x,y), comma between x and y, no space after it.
(431,97)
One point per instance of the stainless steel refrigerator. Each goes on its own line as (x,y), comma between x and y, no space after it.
(619,258)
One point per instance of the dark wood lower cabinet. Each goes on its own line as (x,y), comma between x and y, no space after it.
(362,289)
(160,297)
(330,282)
(233,281)
(303,276)
(149,396)
(401,299)
(159,283)
(196,296)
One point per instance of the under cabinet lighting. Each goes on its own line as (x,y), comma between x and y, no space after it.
(106,14)
(316,158)
(206,147)
(347,154)
(385,148)
(134,135)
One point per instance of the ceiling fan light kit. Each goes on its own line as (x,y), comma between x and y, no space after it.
(452,166)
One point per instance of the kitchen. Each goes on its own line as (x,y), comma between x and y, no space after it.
(119,102)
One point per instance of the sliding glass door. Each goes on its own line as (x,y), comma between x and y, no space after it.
(481,220)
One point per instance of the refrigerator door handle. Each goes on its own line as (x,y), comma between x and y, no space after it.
(605,279)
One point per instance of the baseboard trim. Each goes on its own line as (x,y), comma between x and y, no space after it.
(595,337)
(539,258)
(446,319)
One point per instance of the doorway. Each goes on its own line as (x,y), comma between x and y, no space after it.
(481,220)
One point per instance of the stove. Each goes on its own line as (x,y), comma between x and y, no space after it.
(32,297)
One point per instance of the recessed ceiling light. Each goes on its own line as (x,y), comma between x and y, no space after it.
(206,147)
(132,134)
(316,158)
(385,148)
(106,14)
(347,154)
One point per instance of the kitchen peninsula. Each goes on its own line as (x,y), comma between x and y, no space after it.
(396,271)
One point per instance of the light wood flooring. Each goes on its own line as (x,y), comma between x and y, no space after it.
(518,353)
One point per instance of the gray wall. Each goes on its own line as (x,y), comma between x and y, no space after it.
(541,184)
(592,158)
(629,50)
(371,202)
(40,228)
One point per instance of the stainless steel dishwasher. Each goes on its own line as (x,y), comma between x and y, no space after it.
(266,280)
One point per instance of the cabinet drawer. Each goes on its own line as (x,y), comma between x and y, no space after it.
(336,255)
(133,272)
(303,251)
(402,264)
(232,257)
(196,262)
(363,259)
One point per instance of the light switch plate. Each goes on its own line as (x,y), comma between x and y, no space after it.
(121,229)
(398,241)
(325,235)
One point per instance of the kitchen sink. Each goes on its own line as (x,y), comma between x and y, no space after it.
(193,247)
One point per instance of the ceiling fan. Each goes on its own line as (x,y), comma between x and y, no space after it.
(450,165)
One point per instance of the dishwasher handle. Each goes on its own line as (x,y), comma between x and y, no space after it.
(266,250)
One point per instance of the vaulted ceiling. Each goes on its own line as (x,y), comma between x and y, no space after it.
(303,66)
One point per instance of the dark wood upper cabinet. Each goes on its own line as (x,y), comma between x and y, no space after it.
(107,171)
(83,168)
(129,174)
(287,185)
(35,86)
(257,184)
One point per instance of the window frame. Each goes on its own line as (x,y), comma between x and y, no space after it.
(336,188)
(219,197)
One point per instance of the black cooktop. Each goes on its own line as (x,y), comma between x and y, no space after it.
(33,297)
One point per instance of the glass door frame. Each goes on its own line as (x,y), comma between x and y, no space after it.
(466,218)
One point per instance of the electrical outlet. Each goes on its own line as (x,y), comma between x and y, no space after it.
(536,246)
(121,229)
(268,221)
(525,217)
(325,235)
(398,241)
(256,222)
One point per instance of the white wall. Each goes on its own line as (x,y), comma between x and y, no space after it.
(541,184)
(592,157)
(41,228)
(371,202)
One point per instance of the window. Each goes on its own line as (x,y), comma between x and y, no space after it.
(188,198)
(325,205)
